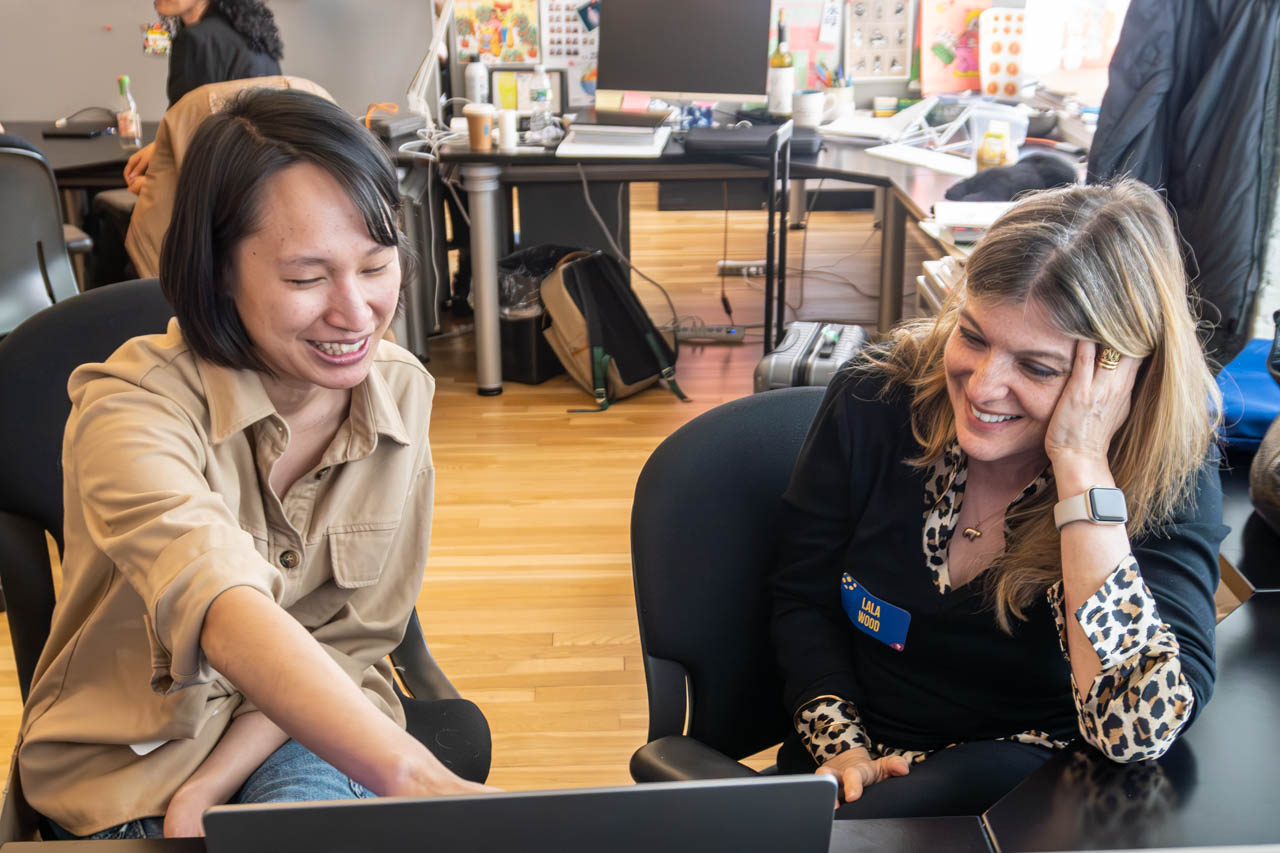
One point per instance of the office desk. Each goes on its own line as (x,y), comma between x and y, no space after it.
(1218,785)
(904,191)
(93,163)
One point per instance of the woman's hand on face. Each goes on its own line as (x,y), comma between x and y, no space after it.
(855,769)
(1092,407)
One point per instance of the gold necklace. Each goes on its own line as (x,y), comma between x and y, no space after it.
(975,532)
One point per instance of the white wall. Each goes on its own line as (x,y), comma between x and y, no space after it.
(59,55)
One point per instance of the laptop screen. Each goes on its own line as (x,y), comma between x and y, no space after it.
(792,813)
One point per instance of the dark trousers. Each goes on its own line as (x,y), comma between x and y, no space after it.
(962,780)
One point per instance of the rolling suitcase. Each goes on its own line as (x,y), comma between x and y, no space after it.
(810,354)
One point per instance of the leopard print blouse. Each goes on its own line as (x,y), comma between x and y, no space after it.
(1135,707)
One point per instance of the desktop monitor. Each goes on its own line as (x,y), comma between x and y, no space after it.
(696,50)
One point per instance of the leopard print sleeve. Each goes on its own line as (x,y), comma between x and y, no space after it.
(829,726)
(1140,700)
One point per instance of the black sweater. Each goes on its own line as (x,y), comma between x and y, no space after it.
(855,506)
(212,52)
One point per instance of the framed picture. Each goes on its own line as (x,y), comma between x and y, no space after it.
(509,88)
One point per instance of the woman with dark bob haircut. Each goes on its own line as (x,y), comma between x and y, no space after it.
(248,504)
(1002,531)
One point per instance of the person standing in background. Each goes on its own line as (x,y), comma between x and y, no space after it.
(215,40)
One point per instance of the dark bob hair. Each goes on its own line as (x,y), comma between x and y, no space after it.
(229,160)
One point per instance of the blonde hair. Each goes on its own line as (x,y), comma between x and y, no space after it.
(1105,263)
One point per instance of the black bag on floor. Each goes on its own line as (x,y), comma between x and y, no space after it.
(601,333)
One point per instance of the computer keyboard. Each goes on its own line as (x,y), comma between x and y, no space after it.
(948,164)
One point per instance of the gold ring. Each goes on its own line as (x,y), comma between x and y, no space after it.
(1109,359)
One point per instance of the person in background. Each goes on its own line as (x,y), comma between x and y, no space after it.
(249,501)
(1002,530)
(216,40)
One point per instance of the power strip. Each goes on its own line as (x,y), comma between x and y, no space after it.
(710,334)
(739,268)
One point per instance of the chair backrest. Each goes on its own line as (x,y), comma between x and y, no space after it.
(36,360)
(150,218)
(703,533)
(35,271)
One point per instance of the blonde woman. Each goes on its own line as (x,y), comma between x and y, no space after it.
(1002,531)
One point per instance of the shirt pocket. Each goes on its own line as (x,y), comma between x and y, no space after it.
(359,554)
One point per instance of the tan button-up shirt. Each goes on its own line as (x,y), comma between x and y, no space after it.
(166,465)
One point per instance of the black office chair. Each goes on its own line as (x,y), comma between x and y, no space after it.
(35,271)
(35,362)
(703,533)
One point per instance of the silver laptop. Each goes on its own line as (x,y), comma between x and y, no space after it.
(791,813)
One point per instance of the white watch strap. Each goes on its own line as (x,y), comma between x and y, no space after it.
(1074,508)
(1081,508)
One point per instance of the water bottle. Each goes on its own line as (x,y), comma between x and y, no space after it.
(128,123)
(476,82)
(543,126)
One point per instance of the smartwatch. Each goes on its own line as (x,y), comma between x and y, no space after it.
(1097,504)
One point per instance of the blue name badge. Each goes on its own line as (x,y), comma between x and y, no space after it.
(880,619)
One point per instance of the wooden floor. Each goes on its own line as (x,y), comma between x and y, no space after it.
(528,599)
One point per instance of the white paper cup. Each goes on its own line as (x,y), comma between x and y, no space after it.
(508,135)
(806,107)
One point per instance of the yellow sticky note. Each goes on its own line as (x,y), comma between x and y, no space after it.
(608,100)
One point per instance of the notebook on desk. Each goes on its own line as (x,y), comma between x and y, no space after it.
(792,813)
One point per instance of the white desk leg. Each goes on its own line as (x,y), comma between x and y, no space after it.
(481,183)
(799,204)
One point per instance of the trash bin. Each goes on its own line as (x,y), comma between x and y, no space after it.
(526,357)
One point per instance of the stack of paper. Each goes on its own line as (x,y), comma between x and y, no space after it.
(965,221)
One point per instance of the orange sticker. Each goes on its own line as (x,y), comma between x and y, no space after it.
(1011,68)
(1010,88)
(995,68)
(996,47)
(1014,48)
(993,88)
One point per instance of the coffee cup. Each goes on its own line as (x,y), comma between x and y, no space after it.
(480,125)
(839,103)
(806,107)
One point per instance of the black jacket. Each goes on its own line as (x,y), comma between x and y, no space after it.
(1192,107)
(213,52)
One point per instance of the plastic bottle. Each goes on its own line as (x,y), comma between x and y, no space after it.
(476,82)
(782,74)
(128,123)
(543,126)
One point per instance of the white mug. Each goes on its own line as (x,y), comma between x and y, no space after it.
(839,103)
(806,107)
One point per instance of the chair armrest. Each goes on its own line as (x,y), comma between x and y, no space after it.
(77,241)
(678,758)
(418,670)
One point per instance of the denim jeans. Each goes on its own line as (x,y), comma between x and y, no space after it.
(291,774)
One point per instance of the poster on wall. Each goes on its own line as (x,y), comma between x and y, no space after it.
(879,39)
(497,31)
(571,40)
(949,45)
(812,37)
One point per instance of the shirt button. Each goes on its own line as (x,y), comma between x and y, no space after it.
(289,559)
(320,475)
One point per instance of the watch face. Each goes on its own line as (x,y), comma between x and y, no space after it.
(1108,505)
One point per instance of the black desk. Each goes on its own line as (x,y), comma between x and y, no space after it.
(1218,785)
(93,163)
(903,189)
